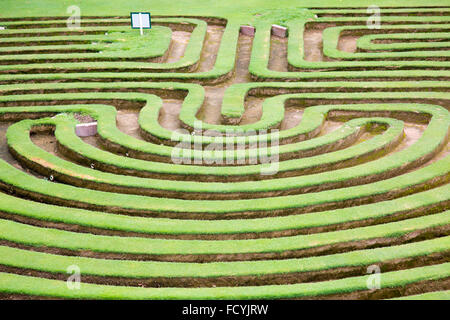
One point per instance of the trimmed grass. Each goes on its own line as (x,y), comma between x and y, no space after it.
(11,283)
(368,195)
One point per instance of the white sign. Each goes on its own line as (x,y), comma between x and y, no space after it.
(140,20)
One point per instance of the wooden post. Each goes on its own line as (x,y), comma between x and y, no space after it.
(140,24)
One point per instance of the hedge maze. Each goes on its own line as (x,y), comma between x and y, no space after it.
(358,119)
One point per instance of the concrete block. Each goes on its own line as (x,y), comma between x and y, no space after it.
(248,30)
(86,129)
(279,31)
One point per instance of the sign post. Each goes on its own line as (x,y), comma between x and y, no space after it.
(140,24)
(141,21)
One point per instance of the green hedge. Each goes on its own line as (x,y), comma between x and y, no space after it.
(223,66)
(12,283)
(37,236)
(261,51)
(24,259)
(160,42)
(46,212)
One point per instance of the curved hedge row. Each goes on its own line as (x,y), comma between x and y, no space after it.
(118,38)
(18,284)
(128,69)
(338,67)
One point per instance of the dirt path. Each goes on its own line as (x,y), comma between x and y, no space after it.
(347,43)
(180,39)
(127,122)
(210,111)
(210,48)
(169,115)
(313,45)
(278,54)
